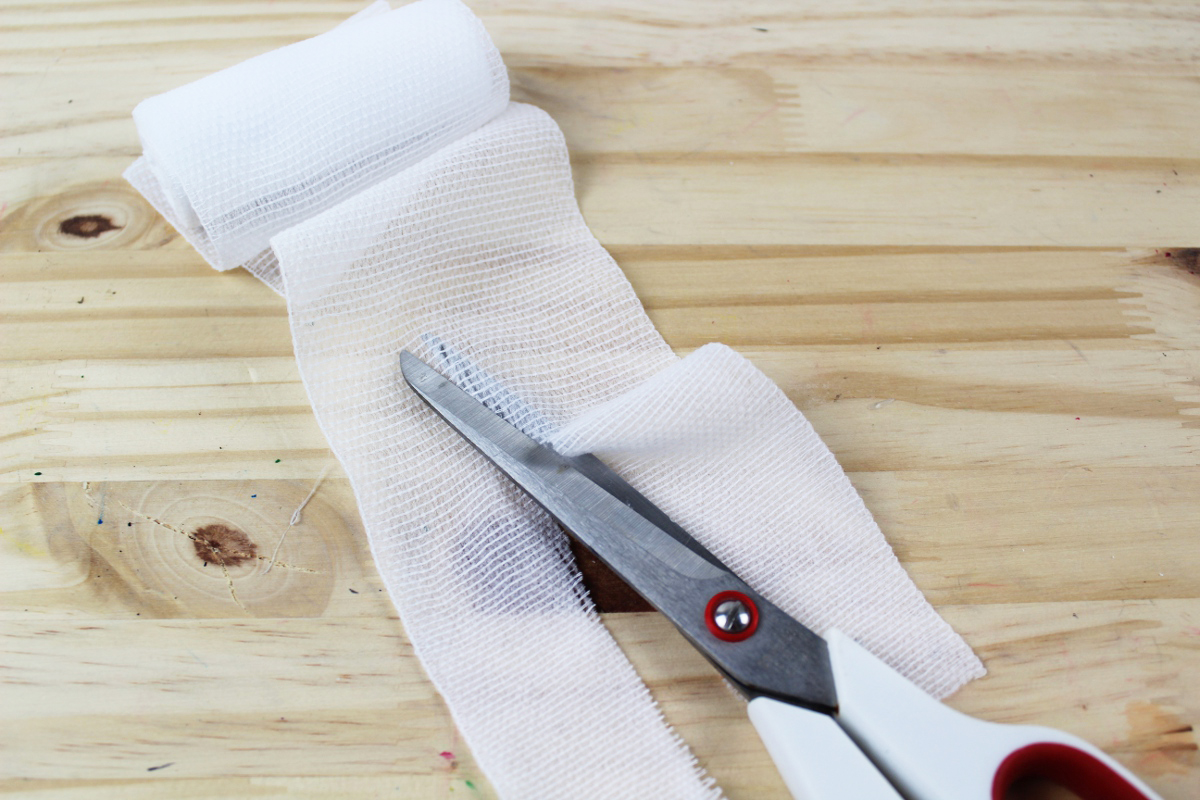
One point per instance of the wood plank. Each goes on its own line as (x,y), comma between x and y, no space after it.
(679,199)
(1080,35)
(987,534)
(1073,674)
(439,782)
(907,378)
(1144,35)
(846,199)
(772,109)
(1019,111)
(873,416)
(995,535)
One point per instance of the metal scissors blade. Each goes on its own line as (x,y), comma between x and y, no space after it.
(761,649)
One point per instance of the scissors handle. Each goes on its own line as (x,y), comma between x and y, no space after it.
(920,748)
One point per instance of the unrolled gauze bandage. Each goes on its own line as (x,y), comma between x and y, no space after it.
(462,242)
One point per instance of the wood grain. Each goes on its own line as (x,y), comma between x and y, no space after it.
(961,237)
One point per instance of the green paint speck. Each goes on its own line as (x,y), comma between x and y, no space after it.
(278,460)
(469,784)
(37,473)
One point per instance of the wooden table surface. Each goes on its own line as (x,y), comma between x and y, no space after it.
(957,234)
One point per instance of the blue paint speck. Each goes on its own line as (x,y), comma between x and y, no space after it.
(254,495)
(100,521)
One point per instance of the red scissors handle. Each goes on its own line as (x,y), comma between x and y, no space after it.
(890,740)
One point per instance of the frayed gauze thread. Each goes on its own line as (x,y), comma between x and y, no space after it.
(459,238)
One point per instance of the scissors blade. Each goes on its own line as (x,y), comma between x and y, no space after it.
(670,569)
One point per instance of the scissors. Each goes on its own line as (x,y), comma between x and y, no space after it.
(837,721)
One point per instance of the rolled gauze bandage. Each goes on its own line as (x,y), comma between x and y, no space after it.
(247,152)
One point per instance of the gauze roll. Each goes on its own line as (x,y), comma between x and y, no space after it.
(249,151)
(474,255)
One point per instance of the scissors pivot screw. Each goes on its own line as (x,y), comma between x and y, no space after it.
(731,616)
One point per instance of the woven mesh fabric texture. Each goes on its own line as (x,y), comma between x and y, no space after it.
(459,239)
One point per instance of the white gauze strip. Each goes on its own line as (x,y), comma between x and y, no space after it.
(478,255)
(461,241)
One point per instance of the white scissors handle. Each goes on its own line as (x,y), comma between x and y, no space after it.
(928,751)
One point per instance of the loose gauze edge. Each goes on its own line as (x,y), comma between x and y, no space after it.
(476,258)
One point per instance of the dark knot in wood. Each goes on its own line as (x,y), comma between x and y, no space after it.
(1186,257)
(87,226)
(222,545)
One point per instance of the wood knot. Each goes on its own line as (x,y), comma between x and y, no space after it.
(87,226)
(222,545)
(107,215)
(1187,258)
